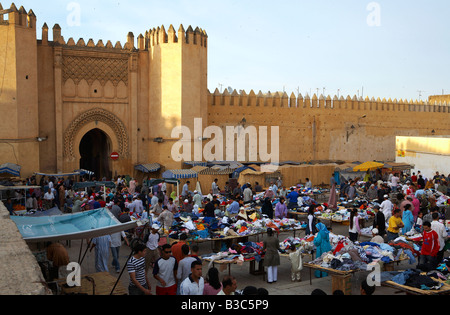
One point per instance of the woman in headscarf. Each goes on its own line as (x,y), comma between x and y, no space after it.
(271,246)
(408,219)
(322,244)
(267,208)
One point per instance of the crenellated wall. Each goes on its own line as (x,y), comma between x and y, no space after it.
(138,91)
(329,128)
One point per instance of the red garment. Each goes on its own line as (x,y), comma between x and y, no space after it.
(338,248)
(430,245)
(176,250)
(172,290)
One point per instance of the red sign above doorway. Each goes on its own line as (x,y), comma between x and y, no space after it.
(114,156)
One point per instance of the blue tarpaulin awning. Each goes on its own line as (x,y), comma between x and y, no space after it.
(10,168)
(82,225)
(180,174)
(148,168)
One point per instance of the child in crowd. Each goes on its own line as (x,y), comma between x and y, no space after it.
(419,222)
(295,256)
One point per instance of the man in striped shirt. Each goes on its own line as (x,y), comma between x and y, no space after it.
(139,284)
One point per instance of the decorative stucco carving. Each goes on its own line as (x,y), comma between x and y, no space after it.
(90,69)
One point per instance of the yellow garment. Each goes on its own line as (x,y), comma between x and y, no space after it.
(253,216)
(394,224)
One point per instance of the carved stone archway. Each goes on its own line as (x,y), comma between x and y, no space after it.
(98,116)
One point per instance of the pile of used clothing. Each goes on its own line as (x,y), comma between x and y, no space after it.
(404,247)
(209,228)
(238,252)
(415,278)
(301,244)
(341,261)
(346,255)
(249,250)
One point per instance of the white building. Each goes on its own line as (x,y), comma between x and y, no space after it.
(428,154)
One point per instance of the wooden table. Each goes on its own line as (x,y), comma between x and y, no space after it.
(215,242)
(229,262)
(444,290)
(340,280)
(95,284)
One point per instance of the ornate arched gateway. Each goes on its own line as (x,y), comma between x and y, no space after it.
(84,124)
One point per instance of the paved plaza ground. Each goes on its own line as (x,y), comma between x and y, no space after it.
(284,285)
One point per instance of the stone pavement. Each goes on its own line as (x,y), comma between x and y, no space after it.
(284,285)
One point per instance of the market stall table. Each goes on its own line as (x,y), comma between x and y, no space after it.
(228,262)
(444,290)
(215,242)
(340,280)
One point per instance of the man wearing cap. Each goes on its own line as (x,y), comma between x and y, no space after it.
(386,207)
(197,199)
(187,206)
(379,221)
(376,238)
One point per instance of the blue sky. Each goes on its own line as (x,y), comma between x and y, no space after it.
(389,48)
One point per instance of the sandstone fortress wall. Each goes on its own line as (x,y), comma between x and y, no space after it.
(60,89)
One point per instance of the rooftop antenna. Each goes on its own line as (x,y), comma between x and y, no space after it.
(221,86)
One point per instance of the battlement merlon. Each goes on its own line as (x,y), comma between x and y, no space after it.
(18,17)
(282,99)
(158,36)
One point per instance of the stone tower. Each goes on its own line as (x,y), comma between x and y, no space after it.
(178,89)
(19,88)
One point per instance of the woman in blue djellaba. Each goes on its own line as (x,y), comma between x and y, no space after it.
(322,243)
